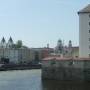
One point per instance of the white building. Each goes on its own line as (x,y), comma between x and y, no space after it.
(84,32)
(13,54)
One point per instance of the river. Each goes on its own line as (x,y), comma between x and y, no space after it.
(31,80)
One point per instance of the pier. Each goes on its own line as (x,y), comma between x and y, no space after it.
(71,69)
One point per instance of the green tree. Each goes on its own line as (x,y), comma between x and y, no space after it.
(19,44)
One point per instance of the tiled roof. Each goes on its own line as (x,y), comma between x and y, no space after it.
(63,58)
(10,39)
(3,40)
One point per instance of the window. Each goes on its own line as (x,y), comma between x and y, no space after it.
(89,39)
(71,62)
(89,15)
(89,23)
(89,55)
(89,31)
(53,62)
(89,47)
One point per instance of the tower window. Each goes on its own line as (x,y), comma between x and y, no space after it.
(89,39)
(89,15)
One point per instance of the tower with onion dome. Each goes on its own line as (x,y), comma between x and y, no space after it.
(70,48)
(59,47)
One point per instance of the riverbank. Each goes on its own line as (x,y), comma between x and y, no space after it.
(7,67)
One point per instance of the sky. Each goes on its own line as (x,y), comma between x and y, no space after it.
(38,22)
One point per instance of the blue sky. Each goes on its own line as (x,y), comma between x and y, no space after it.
(38,22)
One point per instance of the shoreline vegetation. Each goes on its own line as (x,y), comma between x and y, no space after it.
(7,67)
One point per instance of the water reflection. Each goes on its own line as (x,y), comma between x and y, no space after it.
(57,85)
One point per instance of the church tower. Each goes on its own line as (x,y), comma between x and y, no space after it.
(10,43)
(70,48)
(59,47)
(3,43)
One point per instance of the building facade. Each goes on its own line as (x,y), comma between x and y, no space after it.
(84,32)
(16,56)
(37,54)
(11,54)
(66,50)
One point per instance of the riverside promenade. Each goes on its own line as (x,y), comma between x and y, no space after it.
(6,67)
(57,68)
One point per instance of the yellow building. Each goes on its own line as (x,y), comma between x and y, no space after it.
(75,51)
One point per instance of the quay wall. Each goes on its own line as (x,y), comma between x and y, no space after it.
(72,69)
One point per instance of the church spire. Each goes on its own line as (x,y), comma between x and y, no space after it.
(3,43)
(10,43)
(10,39)
(3,40)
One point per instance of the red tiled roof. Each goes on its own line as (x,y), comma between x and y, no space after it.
(63,58)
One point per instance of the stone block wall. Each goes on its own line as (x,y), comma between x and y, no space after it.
(66,69)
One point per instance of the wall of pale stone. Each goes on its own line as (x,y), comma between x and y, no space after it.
(66,69)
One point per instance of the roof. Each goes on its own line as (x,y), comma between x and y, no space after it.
(63,58)
(42,49)
(85,10)
(75,48)
(3,40)
(10,39)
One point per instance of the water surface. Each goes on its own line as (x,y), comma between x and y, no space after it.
(31,80)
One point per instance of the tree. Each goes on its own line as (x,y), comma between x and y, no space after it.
(19,44)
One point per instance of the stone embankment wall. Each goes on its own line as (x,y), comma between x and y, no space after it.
(66,69)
